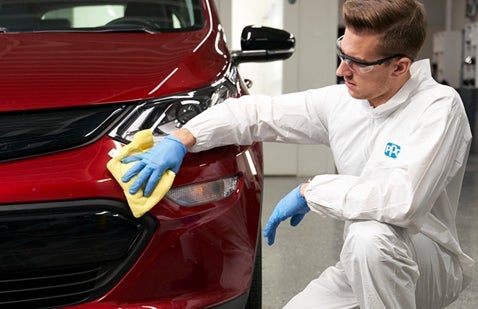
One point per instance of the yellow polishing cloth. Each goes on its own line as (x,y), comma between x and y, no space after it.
(142,141)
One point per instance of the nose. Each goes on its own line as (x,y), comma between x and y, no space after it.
(343,69)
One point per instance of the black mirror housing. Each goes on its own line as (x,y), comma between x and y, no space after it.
(264,44)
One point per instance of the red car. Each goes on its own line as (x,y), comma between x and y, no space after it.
(78,79)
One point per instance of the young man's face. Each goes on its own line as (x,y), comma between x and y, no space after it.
(375,83)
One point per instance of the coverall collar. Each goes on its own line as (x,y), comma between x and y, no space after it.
(420,70)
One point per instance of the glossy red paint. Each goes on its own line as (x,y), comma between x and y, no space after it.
(198,256)
(212,249)
(48,70)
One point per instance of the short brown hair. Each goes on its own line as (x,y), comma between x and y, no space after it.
(402,23)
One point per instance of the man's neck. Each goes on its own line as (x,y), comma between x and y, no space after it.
(393,91)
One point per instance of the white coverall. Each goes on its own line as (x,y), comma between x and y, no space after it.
(400,170)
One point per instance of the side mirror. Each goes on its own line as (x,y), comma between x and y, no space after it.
(264,44)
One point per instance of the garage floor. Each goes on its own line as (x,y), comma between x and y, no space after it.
(300,253)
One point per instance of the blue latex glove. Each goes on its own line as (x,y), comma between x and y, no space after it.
(293,205)
(168,154)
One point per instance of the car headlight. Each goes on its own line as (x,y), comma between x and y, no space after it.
(204,192)
(165,115)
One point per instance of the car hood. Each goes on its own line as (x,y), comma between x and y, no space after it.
(48,70)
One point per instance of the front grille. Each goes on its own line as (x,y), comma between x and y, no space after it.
(66,253)
(49,288)
(32,133)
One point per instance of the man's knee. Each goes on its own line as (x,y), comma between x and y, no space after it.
(368,241)
(379,261)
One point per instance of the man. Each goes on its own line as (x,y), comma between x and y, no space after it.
(400,142)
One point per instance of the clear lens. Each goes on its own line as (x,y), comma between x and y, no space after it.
(164,116)
(363,68)
(202,193)
(354,66)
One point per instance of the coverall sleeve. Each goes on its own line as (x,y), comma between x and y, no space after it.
(403,191)
(289,118)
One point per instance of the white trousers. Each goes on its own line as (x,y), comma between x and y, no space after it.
(382,266)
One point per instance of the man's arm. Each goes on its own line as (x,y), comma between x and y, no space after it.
(185,137)
(400,191)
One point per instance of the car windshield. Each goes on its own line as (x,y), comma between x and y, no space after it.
(100,15)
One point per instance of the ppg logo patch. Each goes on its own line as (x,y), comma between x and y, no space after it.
(392,150)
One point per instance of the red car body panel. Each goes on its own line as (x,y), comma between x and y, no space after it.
(199,256)
(48,70)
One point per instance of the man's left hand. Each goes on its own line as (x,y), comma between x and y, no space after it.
(292,206)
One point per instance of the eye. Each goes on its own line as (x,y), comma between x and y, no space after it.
(360,64)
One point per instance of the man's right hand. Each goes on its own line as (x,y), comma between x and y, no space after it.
(151,165)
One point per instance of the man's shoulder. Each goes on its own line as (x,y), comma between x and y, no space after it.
(334,91)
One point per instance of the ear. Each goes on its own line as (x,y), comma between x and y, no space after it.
(402,66)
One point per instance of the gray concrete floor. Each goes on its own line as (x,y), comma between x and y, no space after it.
(300,253)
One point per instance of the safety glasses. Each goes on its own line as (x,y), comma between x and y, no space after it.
(357,65)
